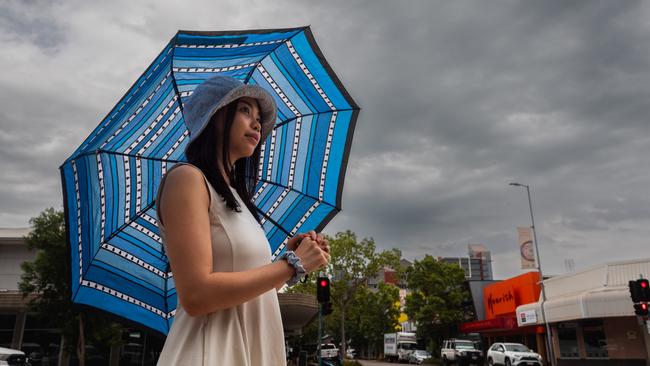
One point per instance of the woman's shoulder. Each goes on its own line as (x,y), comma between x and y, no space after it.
(185,179)
(185,172)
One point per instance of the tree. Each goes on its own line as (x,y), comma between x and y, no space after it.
(46,279)
(353,263)
(437,297)
(371,314)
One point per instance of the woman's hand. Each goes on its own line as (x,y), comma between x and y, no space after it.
(311,255)
(295,241)
(323,243)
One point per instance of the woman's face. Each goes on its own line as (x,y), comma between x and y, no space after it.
(245,130)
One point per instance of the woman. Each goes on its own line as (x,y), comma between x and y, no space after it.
(227,312)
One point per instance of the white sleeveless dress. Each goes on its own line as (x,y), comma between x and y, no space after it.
(249,334)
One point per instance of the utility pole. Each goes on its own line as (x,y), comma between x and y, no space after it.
(549,339)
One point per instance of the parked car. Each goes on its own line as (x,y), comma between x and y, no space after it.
(418,356)
(329,352)
(513,354)
(13,357)
(350,353)
(460,352)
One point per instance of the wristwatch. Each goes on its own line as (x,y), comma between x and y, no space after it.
(294,261)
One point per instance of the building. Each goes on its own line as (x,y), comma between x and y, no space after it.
(21,330)
(13,252)
(496,310)
(389,275)
(591,316)
(477,265)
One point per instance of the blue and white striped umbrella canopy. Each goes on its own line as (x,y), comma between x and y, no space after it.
(116,256)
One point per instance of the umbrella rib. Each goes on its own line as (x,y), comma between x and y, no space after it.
(180,102)
(136,156)
(126,224)
(267,217)
(312,114)
(328,68)
(250,74)
(301,193)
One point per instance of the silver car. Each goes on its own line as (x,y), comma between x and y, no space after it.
(513,354)
(418,356)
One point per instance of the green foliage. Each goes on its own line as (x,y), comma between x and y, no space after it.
(371,314)
(354,262)
(46,280)
(435,302)
(356,307)
(47,276)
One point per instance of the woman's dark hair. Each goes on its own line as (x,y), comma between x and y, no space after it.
(202,153)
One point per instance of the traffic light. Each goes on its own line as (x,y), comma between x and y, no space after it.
(641,309)
(645,289)
(323,289)
(640,293)
(326,308)
(639,290)
(635,291)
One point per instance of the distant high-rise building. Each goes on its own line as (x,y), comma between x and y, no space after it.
(479,251)
(477,265)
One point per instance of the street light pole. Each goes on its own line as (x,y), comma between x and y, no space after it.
(549,342)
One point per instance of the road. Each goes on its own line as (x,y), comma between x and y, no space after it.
(374,363)
(377,363)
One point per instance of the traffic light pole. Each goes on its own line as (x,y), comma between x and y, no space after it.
(646,339)
(640,294)
(320,332)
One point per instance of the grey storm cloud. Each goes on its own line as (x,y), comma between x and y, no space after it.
(458,99)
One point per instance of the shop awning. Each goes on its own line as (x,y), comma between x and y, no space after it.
(502,323)
(598,303)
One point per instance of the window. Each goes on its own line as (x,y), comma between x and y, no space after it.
(517,348)
(7,323)
(568,337)
(464,345)
(595,340)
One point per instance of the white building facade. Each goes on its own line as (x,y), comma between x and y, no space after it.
(592,316)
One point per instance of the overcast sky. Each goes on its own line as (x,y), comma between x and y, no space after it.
(458,99)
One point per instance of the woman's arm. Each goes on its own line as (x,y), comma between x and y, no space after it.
(184,209)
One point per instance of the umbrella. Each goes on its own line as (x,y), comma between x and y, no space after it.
(117,261)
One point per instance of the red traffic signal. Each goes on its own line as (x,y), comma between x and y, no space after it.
(323,289)
(639,290)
